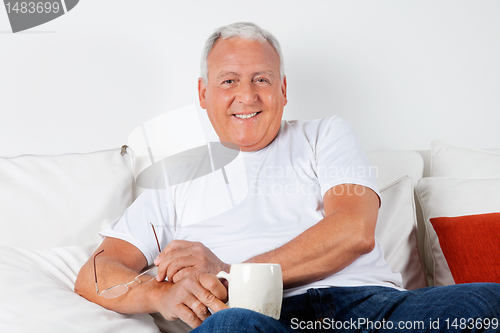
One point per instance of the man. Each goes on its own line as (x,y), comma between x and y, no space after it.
(305,210)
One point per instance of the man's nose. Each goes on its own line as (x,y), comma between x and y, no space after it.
(246,93)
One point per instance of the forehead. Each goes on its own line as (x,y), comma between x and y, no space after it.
(239,55)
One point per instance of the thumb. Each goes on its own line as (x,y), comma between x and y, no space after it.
(215,304)
(215,292)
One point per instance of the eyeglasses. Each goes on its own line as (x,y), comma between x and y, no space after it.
(121,289)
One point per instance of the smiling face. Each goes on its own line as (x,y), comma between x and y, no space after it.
(244,96)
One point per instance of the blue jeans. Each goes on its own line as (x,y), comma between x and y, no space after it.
(459,308)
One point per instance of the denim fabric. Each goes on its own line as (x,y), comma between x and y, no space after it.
(459,308)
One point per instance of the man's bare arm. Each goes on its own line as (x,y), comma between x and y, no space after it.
(346,232)
(121,262)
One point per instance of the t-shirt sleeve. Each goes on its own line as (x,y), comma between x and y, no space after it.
(340,157)
(154,207)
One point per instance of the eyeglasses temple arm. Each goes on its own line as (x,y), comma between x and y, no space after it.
(95,272)
(157,242)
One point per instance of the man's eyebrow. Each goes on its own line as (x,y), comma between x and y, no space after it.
(270,73)
(222,74)
(229,73)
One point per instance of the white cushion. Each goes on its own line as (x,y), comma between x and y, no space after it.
(167,326)
(36,295)
(392,165)
(397,232)
(450,197)
(448,160)
(50,201)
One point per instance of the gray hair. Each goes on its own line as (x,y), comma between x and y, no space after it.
(245,30)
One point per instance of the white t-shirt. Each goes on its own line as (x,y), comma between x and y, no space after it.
(262,200)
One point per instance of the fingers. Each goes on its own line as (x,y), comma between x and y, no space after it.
(206,297)
(176,252)
(179,265)
(213,303)
(199,310)
(182,302)
(208,291)
(171,266)
(214,286)
(191,298)
(179,275)
(181,258)
(173,246)
(187,315)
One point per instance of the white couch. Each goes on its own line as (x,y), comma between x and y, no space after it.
(52,208)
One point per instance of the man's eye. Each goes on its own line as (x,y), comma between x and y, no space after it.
(262,80)
(229,81)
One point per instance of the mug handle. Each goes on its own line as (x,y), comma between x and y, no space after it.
(223,275)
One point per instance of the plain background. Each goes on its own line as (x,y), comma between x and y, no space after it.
(401,72)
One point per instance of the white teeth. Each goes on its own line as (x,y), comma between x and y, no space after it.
(246,116)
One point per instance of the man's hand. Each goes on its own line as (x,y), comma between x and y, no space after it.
(182,258)
(190,298)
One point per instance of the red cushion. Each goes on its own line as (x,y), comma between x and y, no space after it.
(471,246)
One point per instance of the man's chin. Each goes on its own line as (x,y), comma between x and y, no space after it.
(248,146)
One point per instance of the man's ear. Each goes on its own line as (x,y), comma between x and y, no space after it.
(201,92)
(283,89)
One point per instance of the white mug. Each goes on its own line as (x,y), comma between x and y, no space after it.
(257,287)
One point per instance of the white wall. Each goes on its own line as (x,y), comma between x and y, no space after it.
(401,72)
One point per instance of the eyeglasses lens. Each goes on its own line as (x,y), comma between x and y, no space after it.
(115,291)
